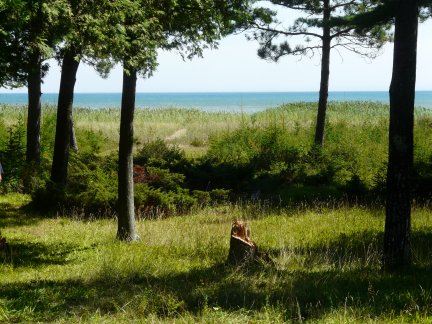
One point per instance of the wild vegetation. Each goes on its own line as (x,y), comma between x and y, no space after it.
(187,158)
(59,259)
(317,214)
(130,32)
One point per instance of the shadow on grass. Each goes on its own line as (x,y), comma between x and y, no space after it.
(36,254)
(309,293)
(12,215)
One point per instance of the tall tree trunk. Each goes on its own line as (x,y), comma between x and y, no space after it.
(325,74)
(73,140)
(126,209)
(64,118)
(34,111)
(397,246)
(34,80)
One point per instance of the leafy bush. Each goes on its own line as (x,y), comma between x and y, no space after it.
(265,158)
(91,187)
(213,197)
(48,129)
(155,203)
(90,141)
(158,153)
(158,177)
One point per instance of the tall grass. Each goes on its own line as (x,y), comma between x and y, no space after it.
(325,268)
(355,151)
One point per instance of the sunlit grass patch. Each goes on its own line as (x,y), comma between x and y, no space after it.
(325,268)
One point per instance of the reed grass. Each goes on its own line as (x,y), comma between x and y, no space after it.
(160,123)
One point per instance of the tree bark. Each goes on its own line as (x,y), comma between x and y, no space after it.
(126,209)
(397,246)
(34,111)
(34,80)
(73,140)
(325,74)
(64,118)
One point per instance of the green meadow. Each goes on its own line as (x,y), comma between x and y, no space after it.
(318,215)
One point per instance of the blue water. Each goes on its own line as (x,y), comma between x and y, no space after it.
(214,101)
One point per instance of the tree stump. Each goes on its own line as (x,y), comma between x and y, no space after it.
(242,249)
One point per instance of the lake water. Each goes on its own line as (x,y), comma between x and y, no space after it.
(214,101)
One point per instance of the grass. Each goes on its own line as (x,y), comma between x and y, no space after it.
(326,269)
(362,124)
(326,254)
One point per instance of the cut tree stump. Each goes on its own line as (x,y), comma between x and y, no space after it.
(242,249)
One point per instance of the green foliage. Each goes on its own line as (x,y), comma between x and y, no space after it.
(271,160)
(48,129)
(12,156)
(91,189)
(267,153)
(29,31)
(270,153)
(160,189)
(158,153)
(211,198)
(156,203)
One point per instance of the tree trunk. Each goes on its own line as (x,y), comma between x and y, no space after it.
(397,247)
(34,111)
(73,140)
(126,212)
(64,118)
(325,73)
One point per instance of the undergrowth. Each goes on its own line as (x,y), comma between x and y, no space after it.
(265,156)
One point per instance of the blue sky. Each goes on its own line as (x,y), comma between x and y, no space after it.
(235,66)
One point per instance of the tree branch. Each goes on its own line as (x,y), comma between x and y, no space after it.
(342,32)
(286,33)
(342,5)
(286,5)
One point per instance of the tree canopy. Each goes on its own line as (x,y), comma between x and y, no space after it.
(306,31)
(317,29)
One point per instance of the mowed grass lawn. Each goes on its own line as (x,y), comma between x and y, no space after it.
(325,268)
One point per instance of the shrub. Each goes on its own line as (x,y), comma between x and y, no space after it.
(158,153)
(219,196)
(12,157)
(158,178)
(213,197)
(154,203)
(203,197)
(91,187)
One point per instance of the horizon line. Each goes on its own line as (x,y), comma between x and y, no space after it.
(204,92)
